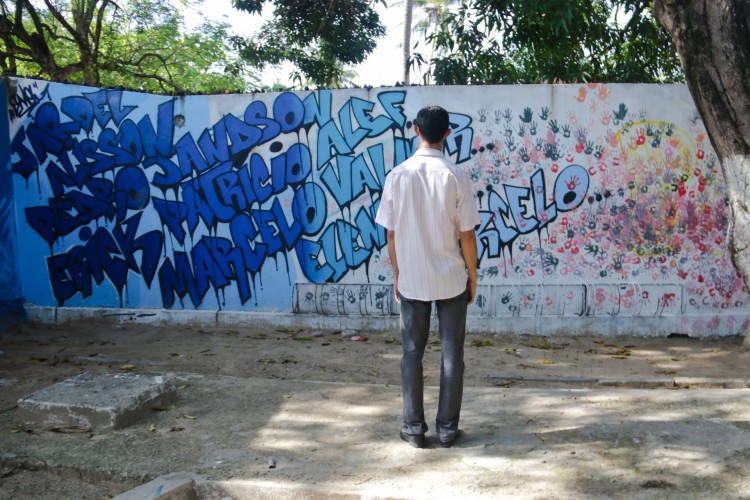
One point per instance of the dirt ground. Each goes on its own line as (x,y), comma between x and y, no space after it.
(34,357)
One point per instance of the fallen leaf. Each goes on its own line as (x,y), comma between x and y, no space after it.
(73,429)
(289,330)
(548,362)
(482,343)
(657,483)
(546,346)
(621,352)
(152,428)
(189,417)
(176,429)
(164,408)
(127,368)
(679,359)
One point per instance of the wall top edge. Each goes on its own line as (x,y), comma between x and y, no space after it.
(9,80)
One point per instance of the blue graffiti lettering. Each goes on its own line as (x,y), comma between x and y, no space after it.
(353,175)
(103,165)
(104,255)
(244,234)
(309,208)
(459,141)
(289,112)
(503,221)
(318,108)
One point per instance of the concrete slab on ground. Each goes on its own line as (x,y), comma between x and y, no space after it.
(97,401)
(175,486)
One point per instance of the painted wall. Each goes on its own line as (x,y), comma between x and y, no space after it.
(11,300)
(595,200)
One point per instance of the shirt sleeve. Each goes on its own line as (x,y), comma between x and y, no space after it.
(384,216)
(468,215)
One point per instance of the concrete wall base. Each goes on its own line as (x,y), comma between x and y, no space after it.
(594,326)
(11,313)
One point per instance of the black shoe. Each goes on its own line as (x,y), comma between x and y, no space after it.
(415,440)
(449,442)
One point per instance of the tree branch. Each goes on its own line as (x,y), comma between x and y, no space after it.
(137,70)
(99,25)
(64,22)
(35,42)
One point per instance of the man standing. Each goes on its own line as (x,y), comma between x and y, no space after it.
(427,208)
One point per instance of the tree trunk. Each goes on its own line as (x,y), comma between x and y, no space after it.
(713,41)
(409,9)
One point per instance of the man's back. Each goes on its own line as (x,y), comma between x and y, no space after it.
(427,201)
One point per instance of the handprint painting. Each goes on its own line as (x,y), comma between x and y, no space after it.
(601,207)
(637,210)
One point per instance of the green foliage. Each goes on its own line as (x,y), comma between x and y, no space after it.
(319,37)
(532,41)
(140,44)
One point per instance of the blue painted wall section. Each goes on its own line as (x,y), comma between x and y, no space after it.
(224,202)
(595,199)
(11,300)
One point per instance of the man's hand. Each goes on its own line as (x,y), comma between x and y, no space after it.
(391,236)
(471,287)
(469,252)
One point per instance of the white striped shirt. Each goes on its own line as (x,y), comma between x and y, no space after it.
(427,201)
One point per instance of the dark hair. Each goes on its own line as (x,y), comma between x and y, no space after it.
(433,123)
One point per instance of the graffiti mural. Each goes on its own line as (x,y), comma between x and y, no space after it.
(594,199)
(11,299)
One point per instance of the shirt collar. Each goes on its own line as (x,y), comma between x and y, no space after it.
(428,152)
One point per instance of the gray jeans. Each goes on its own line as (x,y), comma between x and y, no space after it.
(415,327)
